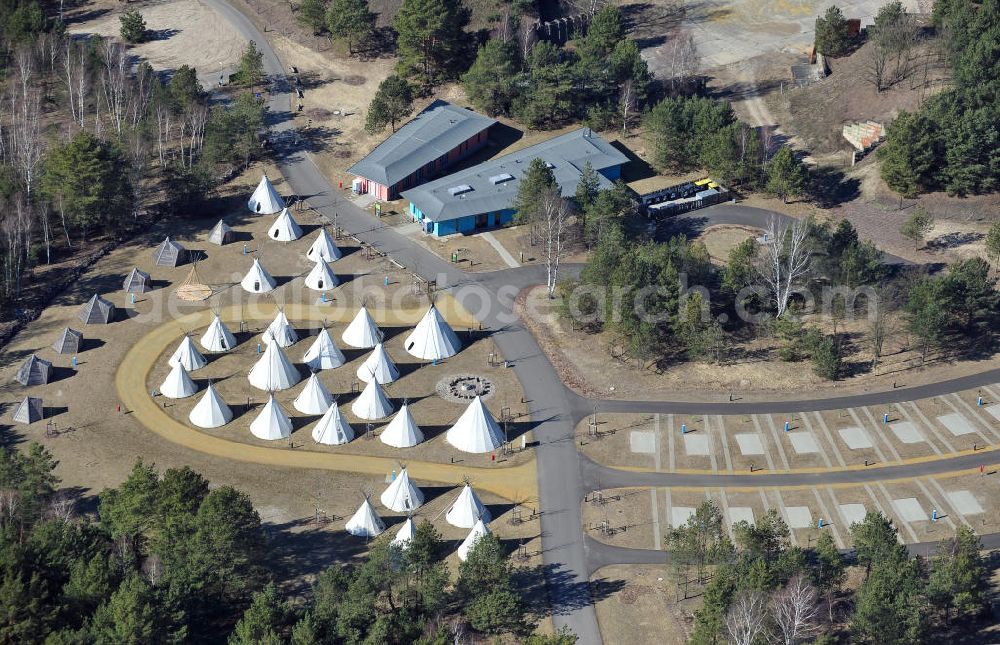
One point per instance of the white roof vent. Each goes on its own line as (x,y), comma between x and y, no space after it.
(549,165)
(501,178)
(458,190)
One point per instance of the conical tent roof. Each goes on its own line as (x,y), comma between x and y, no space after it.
(273,371)
(169,254)
(432,339)
(272,423)
(29,410)
(221,234)
(70,341)
(476,430)
(265,199)
(372,404)
(467,510)
(178,385)
(188,356)
(379,366)
(323,354)
(211,411)
(402,431)
(279,330)
(365,522)
(402,495)
(333,429)
(479,531)
(218,338)
(97,311)
(314,398)
(257,279)
(405,534)
(362,333)
(34,371)
(323,248)
(284,228)
(321,277)
(137,281)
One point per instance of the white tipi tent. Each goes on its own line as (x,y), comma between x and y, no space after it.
(273,371)
(211,411)
(402,431)
(467,510)
(272,422)
(402,495)
(265,199)
(365,522)
(372,403)
(284,228)
(188,356)
(218,338)
(405,534)
(280,331)
(379,366)
(323,249)
(257,279)
(323,354)
(321,277)
(476,430)
(478,532)
(178,385)
(333,429)
(314,398)
(432,339)
(362,333)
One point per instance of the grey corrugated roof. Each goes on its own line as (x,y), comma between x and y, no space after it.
(434,132)
(567,153)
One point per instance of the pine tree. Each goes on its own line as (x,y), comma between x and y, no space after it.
(832,38)
(312,14)
(392,101)
(587,189)
(251,70)
(786,175)
(133,26)
(909,155)
(917,226)
(432,41)
(351,21)
(537,179)
(491,82)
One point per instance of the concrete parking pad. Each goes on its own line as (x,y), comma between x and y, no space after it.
(907,432)
(679,515)
(642,441)
(750,444)
(803,442)
(799,517)
(852,513)
(909,509)
(995,411)
(956,424)
(740,514)
(696,444)
(965,502)
(855,438)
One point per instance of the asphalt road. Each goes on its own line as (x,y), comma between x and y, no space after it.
(564,476)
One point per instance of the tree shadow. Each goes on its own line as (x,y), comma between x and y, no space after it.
(553,585)
(161,34)
(829,187)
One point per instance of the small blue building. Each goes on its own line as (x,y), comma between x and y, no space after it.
(482,197)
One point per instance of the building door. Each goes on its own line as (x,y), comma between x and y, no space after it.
(482,220)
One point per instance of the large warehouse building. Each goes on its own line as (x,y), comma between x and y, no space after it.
(483,196)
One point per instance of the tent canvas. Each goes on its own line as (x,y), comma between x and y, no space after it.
(323,354)
(34,371)
(29,410)
(188,356)
(467,510)
(379,366)
(314,397)
(211,411)
(280,331)
(323,248)
(265,200)
(273,371)
(70,341)
(402,431)
(138,282)
(478,532)
(432,339)
(178,385)
(476,430)
(362,333)
(372,403)
(321,277)
(333,429)
(97,311)
(217,338)
(221,234)
(169,254)
(272,423)
(257,279)
(402,495)
(285,228)
(405,534)
(365,522)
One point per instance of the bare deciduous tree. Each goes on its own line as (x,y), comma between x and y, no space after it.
(746,618)
(784,260)
(683,60)
(553,219)
(880,323)
(628,103)
(527,37)
(115,82)
(793,610)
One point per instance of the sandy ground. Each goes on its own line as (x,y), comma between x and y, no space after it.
(720,240)
(635,601)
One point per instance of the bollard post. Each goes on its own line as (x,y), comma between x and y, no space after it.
(244,248)
(258,348)
(820,523)
(786,426)
(74,361)
(934,515)
(979,402)
(885,419)
(386,280)
(684,428)
(393,474)
(133,298)
(322,297)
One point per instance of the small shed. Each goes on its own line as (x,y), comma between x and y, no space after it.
(97,311)
(29,410)
(69,342)
(138,282)
(34,371)
(169,254)
(221,234)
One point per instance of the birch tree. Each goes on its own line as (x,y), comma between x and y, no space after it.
(793,610)
(683,62)
(553,219)
(784,260)
(115,82)
(747,617)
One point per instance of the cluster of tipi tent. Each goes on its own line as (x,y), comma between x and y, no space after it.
(403,496)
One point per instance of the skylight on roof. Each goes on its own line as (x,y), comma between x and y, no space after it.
(458,190)
(501,178)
